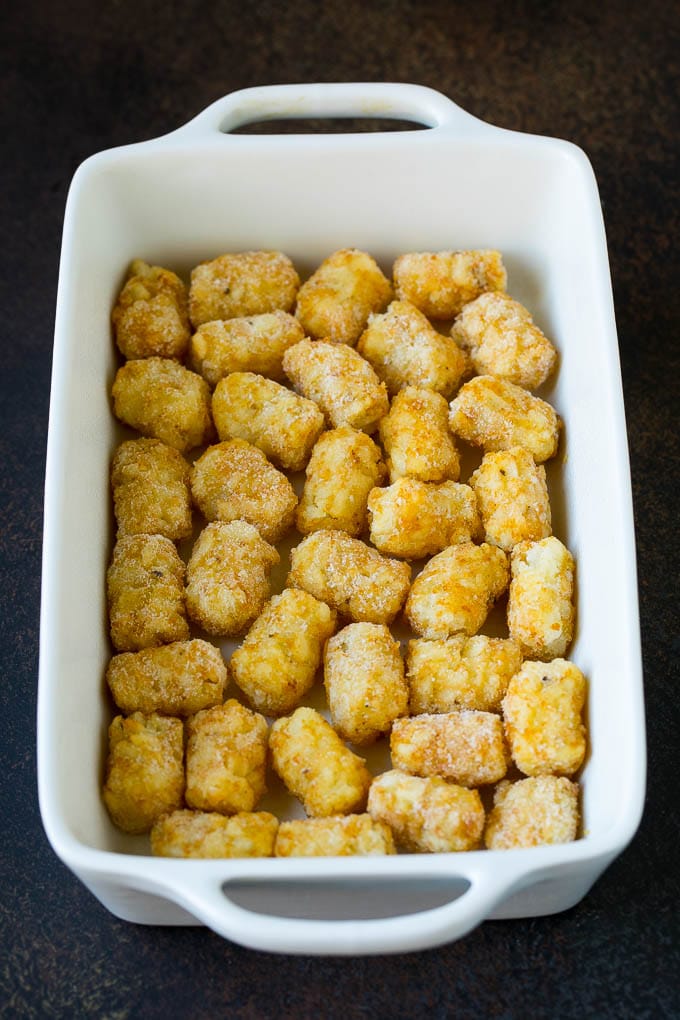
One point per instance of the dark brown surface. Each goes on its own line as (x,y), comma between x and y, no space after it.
(76,80)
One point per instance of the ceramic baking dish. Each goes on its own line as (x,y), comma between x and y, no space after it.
(458,183)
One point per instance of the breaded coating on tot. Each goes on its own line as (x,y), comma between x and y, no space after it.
(150,483)
(145,590)
(512,496)
(234,481)
(354,579)
(457,672)
(406,350)
(277,661)
(209,834)
(176,679)
(151,317)
(342,836)
(345,465)
(416,437)
(337,299)
(226,758)
(412,519)
(340,381)
(228,577)
(255,343)
(163,400)
(364,680)
(440,283)
(540,604)
(316,766)
(244,283)
(533,812)
(427,815)
(282,424)
(467,747)
(542,711)
(498,415)
(144,770)
(456,590)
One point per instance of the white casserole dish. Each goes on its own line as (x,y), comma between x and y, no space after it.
(200,191)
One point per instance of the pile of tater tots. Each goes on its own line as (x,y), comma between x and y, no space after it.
(374,388)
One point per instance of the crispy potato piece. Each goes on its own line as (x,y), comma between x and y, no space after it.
(145,589)
(412,519)
(276,664)
(150,317)
(416,437)
(163,400)
(502,340)
(441,283)
(456,590)
(234,481)
(540,605)
(176,679)
(542,711)
(209,834)
(316,766)
(252,344)
(533,812)
(144,770)
(512,496)
(336,301)
(243,283)
(458,672)
(340,381)
(406,350)
(282,424)
(467,747)
(427,815)
(364,679)
(498,415)
(351,577)
(150,483)
(228,577)
(342,836)
(226,758)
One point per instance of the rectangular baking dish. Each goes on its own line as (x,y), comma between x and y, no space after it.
(203,190)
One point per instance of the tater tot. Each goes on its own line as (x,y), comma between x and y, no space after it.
(150,483)
(502,340)
(209,834)
(243,283)
(542,712)
(337,299)
(540,604)
(177,679)
(282,424)
(145,589)
(345,465)
(150,317)
(234,481)
(364,679)
(276,664)
(412,519)
(406,350)
(340,381)
(512,496)
(163,400)
(498,415)
(226,758)
(255,343)
(427,815)
(441,283)
(467,747)
(344,836)
(354,579)
(144,770)
(416,437)
(316,766)
(449,674)
(533,812)
(456,589)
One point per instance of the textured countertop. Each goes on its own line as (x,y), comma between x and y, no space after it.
(75,80)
